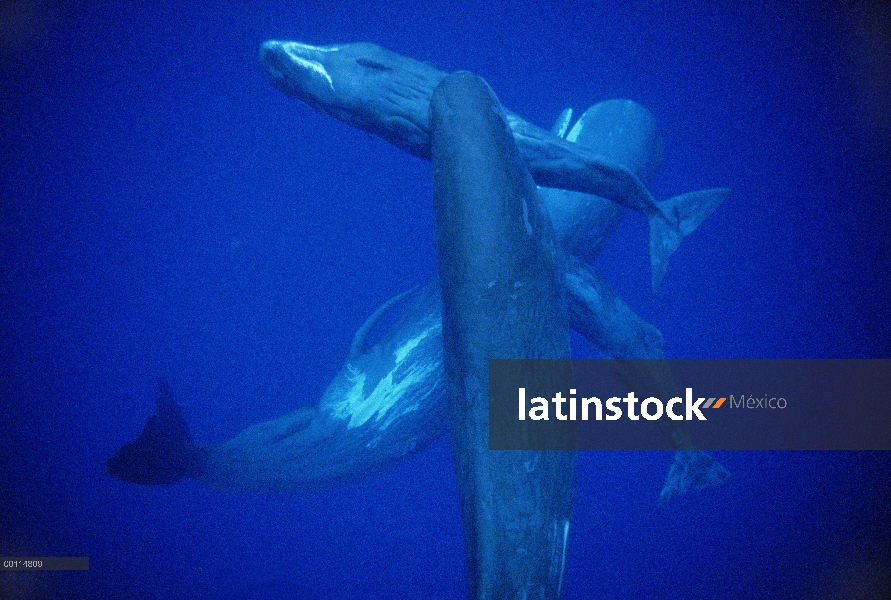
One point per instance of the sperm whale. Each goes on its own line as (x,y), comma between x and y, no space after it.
(388,399)
(388,94)
(498,263)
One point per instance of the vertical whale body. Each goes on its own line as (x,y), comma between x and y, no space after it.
(500,278)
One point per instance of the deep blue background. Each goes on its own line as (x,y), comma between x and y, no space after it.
(167,212)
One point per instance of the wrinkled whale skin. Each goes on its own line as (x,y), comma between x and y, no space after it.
(388,94)
(502,298)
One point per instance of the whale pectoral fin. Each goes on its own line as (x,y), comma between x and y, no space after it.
(692,468)
(164,452)
(357,348)
(685,213)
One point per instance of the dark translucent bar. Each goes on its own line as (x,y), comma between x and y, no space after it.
(45,563)
(720,404)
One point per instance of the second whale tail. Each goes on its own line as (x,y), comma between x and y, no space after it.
(164,452)
(692,468)
(624,133)
(680,216)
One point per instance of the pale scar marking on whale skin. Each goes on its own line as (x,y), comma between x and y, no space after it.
(359,409)
(316,68)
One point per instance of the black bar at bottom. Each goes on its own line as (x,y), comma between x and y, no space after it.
(45,563)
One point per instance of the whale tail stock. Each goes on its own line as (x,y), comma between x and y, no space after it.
(623,132)
(679,217)
(164,452)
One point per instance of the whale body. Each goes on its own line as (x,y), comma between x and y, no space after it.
(388,94)
(498,264)
(385,403)
(388,400)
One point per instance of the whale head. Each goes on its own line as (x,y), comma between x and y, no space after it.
(301,71)
(361,84)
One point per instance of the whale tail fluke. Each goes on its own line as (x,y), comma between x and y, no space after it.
(692,468)
(680,216)
(164,452)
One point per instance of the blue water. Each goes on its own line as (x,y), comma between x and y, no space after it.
(167,212)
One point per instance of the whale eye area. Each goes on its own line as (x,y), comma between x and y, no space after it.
(370,64)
